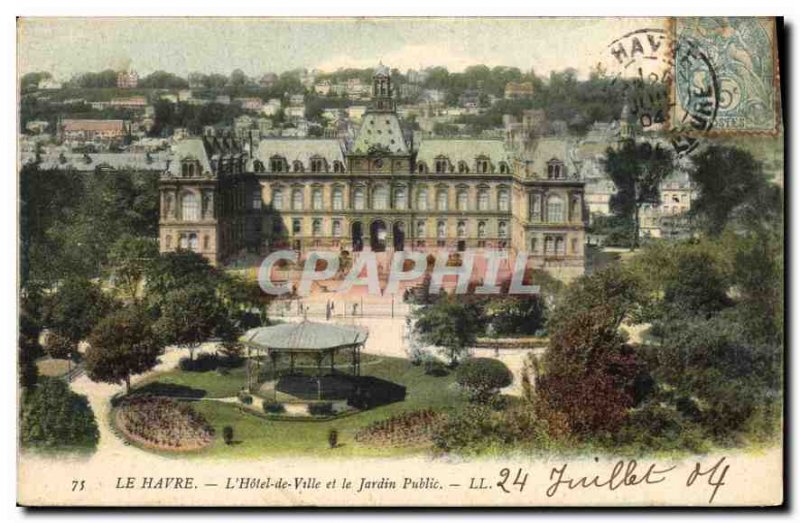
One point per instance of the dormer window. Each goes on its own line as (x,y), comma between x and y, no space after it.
(556,170)
(277,164)
(297,166)
(504,169)
(338,167)
(463,168)
(190,168)
(258,166)
(442,165)
(421,169)
(483,166)
(317,165)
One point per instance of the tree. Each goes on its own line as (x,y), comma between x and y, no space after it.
(121,345)
(177,270)
(74,310)
(190,316)
(697,287)
(729,182)
(128,260)
(54,417)
(449,324)
(483,378)
(516,315)
(637,170)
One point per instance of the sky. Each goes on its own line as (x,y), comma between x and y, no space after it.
(66,46)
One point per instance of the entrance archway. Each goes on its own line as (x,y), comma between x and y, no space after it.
(358,236)
(398,236)
(377,236)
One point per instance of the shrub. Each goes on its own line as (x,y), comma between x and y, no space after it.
(322,408)
(333,438)
(58,346)
(273,407)
(657,428)
(55,417)
(245,398)
(483,377)
(433,366)
(202,363)
(407,429)
(227,434)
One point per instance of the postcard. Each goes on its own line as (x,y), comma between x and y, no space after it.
(400,262)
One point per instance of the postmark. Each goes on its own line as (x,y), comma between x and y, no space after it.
(741,52)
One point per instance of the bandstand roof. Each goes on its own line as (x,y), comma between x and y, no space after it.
(305,336)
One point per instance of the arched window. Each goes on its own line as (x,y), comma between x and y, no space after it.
(560,246)
(338,167)
(483,166)
(555,170)
(504,168)
(168,241)
(503,200)
(502,229)
(358,199)
(442,165)
(575,211)
(548,245)
(183,242)
(463,168)
(277,199)
(555,209)
(190,207)
(534,244)
(277,164)
(338,198)
(258,166)
(481,229)
(297,199)
(461,229)
(421,229)
(316,227)
(422,199)
(337,228)
(297,166)
(421,168)
(400,200)
(441,229)
(318,165)
(193,241)
(380,198)
(483,199)
(462,199)
(316,198)
(441,199)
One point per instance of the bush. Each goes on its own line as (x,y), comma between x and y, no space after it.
(656,428)
(245,398)
(434,366)
(483,378)
(412,428)
(333,438)
(202,363)
(54,417)
(227,434)
(322,408)
(58,346)
(273,407)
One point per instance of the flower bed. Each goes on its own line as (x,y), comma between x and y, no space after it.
(408,429)
(163,423)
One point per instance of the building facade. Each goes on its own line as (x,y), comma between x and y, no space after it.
(379,191)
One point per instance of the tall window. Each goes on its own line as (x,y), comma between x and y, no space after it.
(297,199)
(483,199)
(462,199)
(534,244)
(316,198)
(575,211)
(338,199)
(256,199)
(316,227)
(277,199)
(421,229)
(297,166)
(380,197)
(338,167)
(422,199)
(483,166)
(317,165)
(481,229)
(358,199)
(535,203)
(258,166)
(193,241)
(559,246)
(190,207)
(277,164)
(461,229)
(400,200)
(463,168)
(337,228)
(441,229)
(549,245)
(555,209)
(503,198)
(442,165)
(555,170)
(441,199)
(504,168)
(297,226)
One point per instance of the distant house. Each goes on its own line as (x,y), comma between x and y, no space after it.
(356,112)
(519,90)
(134,102)
(250,104)
(184,95)
(297,99)
(296,112)
(49,83)
(272,107)
(87,130)
(37,126)
(223,99)
(268,80)
(127,80)
(322,88)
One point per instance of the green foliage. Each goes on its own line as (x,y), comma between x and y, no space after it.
(75,308)
(59,346)
(333,438)
(477,429)
(189,316)
(54,417)
(162,80)
(123,343)
(483,378)
(320,408)
(245,398)
(654,427)
(128,260)
(273,407)
(433,366)
(177,270)
(449,324)
(511,315)
(227,434)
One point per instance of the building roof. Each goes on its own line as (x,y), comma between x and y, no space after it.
(93,125)
(299,150)
(90,162)
(190,148)
(305,336)
(463,150)
(380,131)
(550,149)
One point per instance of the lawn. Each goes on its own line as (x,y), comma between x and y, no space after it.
(255,436)
(53,367)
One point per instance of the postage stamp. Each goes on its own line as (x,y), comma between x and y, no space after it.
(741,54)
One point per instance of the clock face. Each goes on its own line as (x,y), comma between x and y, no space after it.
(378,163)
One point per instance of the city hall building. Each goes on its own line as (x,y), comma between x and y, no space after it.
(381,191)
